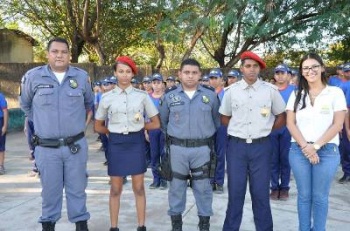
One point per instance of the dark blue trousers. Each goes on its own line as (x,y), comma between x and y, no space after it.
(156,141)
(344,149)
(280,168)
(248,162)
(220,148)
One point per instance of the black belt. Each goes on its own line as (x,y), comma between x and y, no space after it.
(249,141)
(190,143)
(56,143)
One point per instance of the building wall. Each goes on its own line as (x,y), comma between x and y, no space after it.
(14,49)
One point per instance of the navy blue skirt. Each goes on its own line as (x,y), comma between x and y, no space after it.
(126,154)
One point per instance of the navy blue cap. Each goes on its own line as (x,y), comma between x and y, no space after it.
(97,83)
(105,81)
(216,72)
(346,67)
(113,80)
(294,72)
(234,73)
(340,67)
(171,78)
(282,68)
(157,76)
(205,78)
(146,79)
(134,81)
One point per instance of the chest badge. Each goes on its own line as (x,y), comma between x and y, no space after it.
(73,83)
(205,99)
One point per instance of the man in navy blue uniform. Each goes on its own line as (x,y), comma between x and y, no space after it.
(189,117)
(57,97)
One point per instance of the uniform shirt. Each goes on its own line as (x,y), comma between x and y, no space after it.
(3,105)
(252,108)
(335,80)
(186,118)
(313,121)
(57,110)
(125,109)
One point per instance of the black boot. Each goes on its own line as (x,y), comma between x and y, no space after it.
(176,223)
(114,229)
(141,228)
(48,226)
(81,226)
(204,223)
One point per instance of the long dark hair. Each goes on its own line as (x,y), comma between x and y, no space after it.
(303,86)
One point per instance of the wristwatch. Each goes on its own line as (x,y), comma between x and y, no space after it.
(317,146)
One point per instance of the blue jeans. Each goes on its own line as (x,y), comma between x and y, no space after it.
(313,184)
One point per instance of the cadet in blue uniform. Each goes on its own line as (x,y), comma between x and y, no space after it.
(56,98)
(124,107)
(280,139)
(189,117)
(156,136)
(251,108)
(217,82)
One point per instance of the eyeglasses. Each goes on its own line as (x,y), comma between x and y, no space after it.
(313,68)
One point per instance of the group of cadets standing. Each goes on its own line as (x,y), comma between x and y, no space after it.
(189,114)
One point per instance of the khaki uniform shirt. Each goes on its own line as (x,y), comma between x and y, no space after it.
(252,108)
(125,109)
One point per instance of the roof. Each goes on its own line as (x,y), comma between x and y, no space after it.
(21,34)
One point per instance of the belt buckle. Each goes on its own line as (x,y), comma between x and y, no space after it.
(249,141)
(125,133)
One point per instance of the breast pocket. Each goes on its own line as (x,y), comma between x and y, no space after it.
(206,114)
(75,98)
(44,97)
(176,113)
(264,108)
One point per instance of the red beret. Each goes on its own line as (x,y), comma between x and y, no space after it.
(253,56)
(128,61)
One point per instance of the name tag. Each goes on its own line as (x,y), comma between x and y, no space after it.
(177,104)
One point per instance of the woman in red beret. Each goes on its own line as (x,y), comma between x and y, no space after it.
(125,108)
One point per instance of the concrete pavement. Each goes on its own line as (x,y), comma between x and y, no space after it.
(20,201)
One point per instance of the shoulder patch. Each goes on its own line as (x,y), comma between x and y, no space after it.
(208,87)
(169,89)
(140,91)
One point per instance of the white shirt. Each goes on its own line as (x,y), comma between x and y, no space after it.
(313,121)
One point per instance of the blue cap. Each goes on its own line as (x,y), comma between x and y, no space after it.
(282,68)
(340,67)
(234,73)
(346,67)
(216,72)
(294,72)
(205,78)
(146,79)
(113,80)
(157,76)
(105,81)
(171,78)
(134,81)
(97,83)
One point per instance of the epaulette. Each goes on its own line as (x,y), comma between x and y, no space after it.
(208,87)
(80,69)
(169,89)
(271,85)
(140,91)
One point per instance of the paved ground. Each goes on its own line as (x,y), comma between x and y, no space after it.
(20,201)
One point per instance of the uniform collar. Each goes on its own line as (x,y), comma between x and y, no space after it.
(119,91)
(69,71)
(244,85)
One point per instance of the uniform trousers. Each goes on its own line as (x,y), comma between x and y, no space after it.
(248,162)
(156,140)
(60,169)
(182,160)
(280,168)
(344,149)
(220,148)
